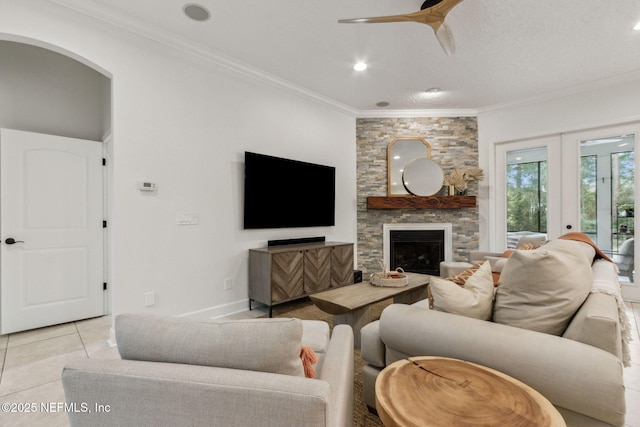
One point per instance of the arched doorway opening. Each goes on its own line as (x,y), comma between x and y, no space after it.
(50,91)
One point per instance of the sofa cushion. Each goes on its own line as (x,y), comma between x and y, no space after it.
(316,334)
(266,345)
(474,299)
(541,289)
(497,263)
(531,241)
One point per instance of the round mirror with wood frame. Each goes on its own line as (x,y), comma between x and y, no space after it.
(400,152)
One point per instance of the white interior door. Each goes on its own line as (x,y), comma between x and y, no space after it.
(51,205)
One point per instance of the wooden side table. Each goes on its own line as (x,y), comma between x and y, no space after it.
(439,391)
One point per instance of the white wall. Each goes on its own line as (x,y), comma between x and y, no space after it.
(184,124)
(46,92)
(606,106)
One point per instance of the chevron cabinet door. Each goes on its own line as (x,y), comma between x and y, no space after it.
(317,270)
(287,272)
(341,266)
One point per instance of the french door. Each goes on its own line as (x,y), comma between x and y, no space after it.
(528,174)
(581,181)
(600,168)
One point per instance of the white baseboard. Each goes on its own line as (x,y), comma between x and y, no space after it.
(112,338)
(219,311)
(631,292)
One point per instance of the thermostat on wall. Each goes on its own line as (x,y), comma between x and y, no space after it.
(147,186)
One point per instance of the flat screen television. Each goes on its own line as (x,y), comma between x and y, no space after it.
(284,193)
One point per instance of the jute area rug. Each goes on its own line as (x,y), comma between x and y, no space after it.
(304,309)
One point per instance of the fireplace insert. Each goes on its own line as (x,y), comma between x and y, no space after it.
(417,251)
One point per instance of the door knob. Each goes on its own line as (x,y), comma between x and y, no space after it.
(12,241)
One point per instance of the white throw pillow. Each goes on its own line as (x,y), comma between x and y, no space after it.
(475,299)
(541,289)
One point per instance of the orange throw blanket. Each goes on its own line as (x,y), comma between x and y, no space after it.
(581,237)
(308,357)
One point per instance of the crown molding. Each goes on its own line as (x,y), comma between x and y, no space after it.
(569,91)
(151,32)
(369,114)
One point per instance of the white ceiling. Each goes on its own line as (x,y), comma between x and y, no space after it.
(507,51)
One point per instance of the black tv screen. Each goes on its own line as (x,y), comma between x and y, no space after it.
(283,193)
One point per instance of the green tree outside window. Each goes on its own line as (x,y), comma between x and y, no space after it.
(527,197)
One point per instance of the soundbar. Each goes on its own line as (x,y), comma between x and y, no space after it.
(298,241)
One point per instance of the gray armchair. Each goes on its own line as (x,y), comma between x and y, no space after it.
(231,373)
(624,258)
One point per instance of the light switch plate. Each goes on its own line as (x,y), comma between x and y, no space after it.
(187,218)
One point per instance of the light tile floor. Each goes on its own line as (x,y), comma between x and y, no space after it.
(31,363)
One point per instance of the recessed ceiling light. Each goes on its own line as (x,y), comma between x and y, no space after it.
(196,12)
(360,66)
(382,104)
(433,90)
(637,27)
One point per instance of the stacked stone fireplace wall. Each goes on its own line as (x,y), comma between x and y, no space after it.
(454,144)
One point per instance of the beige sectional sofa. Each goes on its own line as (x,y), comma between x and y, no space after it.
(177,372)
(580,371)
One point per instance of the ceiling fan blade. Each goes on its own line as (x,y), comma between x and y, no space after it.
(445,37)
(409,17)
(432,15)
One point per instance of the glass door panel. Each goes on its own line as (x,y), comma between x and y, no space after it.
(588,196)
(528,191)
(607,198)
(527,183)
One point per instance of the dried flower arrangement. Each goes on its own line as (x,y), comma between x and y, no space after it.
(459,178)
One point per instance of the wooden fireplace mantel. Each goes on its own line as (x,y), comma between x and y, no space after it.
(417,202)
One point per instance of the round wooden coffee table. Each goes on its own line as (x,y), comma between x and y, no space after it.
(439,391)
